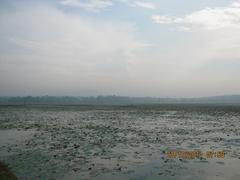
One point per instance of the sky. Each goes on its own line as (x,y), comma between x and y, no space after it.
(157,48)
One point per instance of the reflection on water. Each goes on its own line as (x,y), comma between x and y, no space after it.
(127,142)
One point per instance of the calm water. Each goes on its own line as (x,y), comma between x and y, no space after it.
(119,142)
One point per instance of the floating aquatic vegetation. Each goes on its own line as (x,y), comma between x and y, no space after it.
(112,142)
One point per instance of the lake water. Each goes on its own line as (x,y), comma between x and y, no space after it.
(120,142)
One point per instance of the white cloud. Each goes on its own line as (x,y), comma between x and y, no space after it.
(147,5)
(50,51)
(207,19)
(209,55)
(162,19)
(98,5)
(236,3)
(44,50)
(90,5)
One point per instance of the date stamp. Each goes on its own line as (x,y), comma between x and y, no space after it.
(195,154)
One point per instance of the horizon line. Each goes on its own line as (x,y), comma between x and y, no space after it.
(95,96)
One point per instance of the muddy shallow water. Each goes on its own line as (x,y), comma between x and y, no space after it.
(120,142)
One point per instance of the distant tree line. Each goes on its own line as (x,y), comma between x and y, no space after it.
(116,100)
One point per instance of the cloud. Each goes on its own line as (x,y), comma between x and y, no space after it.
(209,55)
(236,4)
(90,5)
(98,5)
(162,19)
(206,19)
(49,51)
(147,5)
(44,50)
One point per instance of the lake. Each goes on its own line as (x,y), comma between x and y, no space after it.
(120,142)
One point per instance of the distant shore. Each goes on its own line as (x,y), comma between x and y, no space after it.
(115,100)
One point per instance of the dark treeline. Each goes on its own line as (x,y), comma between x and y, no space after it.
(116,100)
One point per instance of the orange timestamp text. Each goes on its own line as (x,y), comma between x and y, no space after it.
(195,154)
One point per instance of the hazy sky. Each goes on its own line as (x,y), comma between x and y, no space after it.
(164,48)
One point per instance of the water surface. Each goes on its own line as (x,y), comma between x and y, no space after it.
(119,142)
